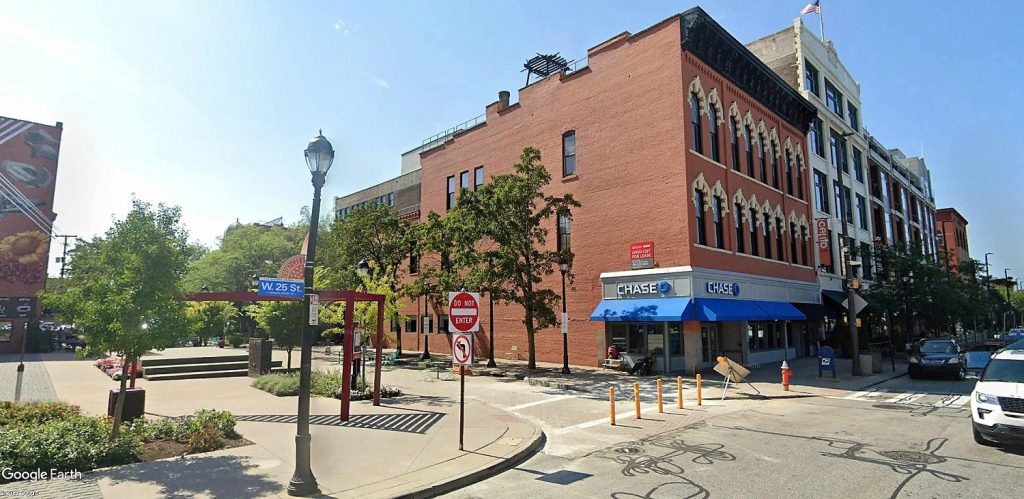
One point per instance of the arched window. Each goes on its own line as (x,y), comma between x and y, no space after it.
(738,219)
(750,150)
(699,204)
(716,210)
(713,132)
(762,152)
(799,178)
(804,242)
(695,123)
(775,165)
(753,231)
(789,172)
(734,142)
(779,246)
(766,221)
(792,242)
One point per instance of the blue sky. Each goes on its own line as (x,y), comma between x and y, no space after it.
(209,105)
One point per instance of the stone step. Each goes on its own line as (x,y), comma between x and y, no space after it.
(187,368)
(234,373)
(168,361)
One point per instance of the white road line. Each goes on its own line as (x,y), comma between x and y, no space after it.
(953,401)
(555,398)
(906,398)
(866,395)
(622,415)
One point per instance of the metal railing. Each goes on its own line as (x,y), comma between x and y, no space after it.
(441,137)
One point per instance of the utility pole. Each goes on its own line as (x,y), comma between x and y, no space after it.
(64,257)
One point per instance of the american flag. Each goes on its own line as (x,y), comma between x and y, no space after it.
(812,7)
(10,129)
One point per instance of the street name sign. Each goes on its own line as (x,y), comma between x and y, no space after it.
(289,288)
(463,312)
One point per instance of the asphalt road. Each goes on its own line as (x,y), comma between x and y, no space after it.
(903,438)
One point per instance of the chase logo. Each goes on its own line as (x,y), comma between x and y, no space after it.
(664,287)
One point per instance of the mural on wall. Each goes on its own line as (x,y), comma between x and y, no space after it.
(28,171)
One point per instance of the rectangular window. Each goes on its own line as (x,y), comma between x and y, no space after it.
(804,243)
(820,194)
(762,152)
(836,193)
(849,204)
(564,233)
(765,222)
(695,131)
(738,219)
(789,172)
(569,153)
(464,180)
(799,177)
(815,137)
(450,198)
(775,166)
(862,212)
(833,98)
(698,202)
(858,165)
(442,323)
(793,234)
(713,133)
(753,231)
(866,260)
(734,143)
(478,177)
(811,78)
(837,146)
(779,253)
(410,323)
(854,118)
(716,209)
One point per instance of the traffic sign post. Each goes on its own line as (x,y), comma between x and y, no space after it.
(462,356)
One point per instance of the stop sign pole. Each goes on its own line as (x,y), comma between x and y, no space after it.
(463,320)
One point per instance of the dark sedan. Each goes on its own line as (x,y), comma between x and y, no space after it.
(937,357)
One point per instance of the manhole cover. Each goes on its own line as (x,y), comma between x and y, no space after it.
(893,407)
(909,456)
(629,450)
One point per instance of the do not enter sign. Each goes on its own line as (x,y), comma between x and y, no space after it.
(463,312)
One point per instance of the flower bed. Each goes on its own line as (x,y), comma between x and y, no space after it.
(55,435)
(111,366)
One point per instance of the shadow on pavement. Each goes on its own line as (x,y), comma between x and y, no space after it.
(215,476)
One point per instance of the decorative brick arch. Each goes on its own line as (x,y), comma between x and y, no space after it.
(702,98)
(773,136)
(804,225)
(748,121)
(752,205)
(714,100)
(734,113)
(780,216)
(742,201)
(701,184)
(719,192)
(767,208)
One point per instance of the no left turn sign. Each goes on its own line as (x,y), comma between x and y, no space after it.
(463,312)
(462,349)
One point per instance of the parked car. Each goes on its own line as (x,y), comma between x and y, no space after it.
(976,361)
(997,402)
(1017,345)
(937,357)
(1015,334)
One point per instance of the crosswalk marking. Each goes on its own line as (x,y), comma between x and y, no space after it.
(906,398)
(915,398)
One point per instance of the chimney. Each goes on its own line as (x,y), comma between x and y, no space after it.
(503,97)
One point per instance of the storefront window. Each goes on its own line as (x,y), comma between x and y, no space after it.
(765,336)
(635,338)
(709,342)
(675,340)
(5,330)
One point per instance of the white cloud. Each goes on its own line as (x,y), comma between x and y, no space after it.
(339,26)
(380,82)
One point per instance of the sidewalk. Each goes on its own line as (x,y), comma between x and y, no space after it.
(408,446)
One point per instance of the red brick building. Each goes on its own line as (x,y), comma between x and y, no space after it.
(951,231)
(677,136)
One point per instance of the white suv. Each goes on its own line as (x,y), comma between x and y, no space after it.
(997,403)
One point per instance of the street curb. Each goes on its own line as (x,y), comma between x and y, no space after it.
(480,474)
(554,384)
(904,373)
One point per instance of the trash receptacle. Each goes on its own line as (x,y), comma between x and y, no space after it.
(134,403)
(876,362)
(865,364)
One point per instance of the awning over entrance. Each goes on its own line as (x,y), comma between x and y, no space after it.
(720,310)
(642,310)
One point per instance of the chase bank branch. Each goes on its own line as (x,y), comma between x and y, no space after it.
(689,316)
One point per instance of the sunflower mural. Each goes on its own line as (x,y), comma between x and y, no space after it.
(26,247)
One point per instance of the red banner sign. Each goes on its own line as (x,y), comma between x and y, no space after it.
(824,244)
(644,249)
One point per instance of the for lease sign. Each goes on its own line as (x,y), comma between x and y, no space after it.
(640,250)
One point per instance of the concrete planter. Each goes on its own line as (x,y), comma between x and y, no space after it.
(865,363)
(876,362)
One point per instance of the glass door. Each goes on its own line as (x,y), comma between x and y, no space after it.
(677,359)
(709,345)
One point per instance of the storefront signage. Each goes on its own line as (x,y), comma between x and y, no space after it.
(824,245)
(722,288)
(644,288)
(641,255)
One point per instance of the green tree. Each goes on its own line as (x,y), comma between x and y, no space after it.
(121,288)
(244,250)
(283,320)
(208,319)
(513,257)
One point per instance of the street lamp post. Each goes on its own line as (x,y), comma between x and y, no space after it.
(851,293)
(319,157)
(563,268)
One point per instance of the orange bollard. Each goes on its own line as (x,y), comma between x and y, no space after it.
(786,374)
(636,398)
(611,403)
(679,391)
(660,409)
(699,399)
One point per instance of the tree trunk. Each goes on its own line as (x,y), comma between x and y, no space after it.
(530,340)
(289,359)
(119,407)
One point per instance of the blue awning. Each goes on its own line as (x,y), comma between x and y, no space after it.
(781,310)
(642,310)
(721,310)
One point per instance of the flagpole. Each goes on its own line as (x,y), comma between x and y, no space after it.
(821,22)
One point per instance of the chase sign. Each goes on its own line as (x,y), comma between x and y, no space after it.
(722,288)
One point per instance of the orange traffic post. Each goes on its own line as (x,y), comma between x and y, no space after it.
(679,391)
(611,403)
(699,400)
(636,398)
(660,410)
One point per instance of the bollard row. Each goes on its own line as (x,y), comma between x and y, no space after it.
(660,393)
